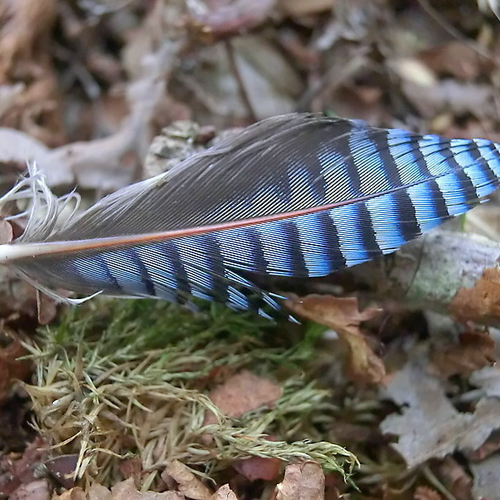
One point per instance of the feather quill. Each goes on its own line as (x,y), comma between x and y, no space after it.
(296,195)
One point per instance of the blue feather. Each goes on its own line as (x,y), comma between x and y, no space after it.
(296,195)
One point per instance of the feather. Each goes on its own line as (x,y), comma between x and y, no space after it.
(295,195)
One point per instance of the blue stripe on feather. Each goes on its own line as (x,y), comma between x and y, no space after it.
(473,165)
(423,197)
(129,271)
(386,222)
(351,242)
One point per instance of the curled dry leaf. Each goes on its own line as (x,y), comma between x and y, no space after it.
(481,303)
(304,481)
(343,316)
(188,483)
(241,393)
(224,493)
(475,350)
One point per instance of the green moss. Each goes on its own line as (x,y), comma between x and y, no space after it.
(116,378)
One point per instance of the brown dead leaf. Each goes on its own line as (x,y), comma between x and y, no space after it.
(36,490)
(424,493)
(12,368)
(98,492)
(24,23)
(241,393)
(429,426)
(126,490)
(343,316)
(62,468)
(224,493)
(188,483)
(476,349)
(481,303)
(254,468)
(304,481)
(76,494)
(15,472)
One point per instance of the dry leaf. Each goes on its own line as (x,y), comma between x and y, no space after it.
(189,484)
(98,492)
(241,393)
(429,426)
(12,368)
(224,493)
(254,468)
(126,490)
(36,490)
(476,349)
(75,494)
(424,493)
(16,472)
(304,481)
(481,303)
(486,479)
(343,316)
(62,468)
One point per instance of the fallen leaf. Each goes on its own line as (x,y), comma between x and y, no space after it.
(424,493)
(254,468)
(241,393)
(62,468)
(304,481)
(188,483)
(11,367)
(98,492)
(486,478)
(126,490)
(429,426)
(17,472)
(224,493)
(476,349)
(75,494)
(488,379)
(343,316)
(481,303)
(36,490)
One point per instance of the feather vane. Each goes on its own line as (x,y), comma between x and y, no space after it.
(296,195)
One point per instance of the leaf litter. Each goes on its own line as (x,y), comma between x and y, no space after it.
(84,88)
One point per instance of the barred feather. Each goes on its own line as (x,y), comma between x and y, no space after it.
(296,195)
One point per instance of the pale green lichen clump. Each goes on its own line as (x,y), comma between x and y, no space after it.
(121,378)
